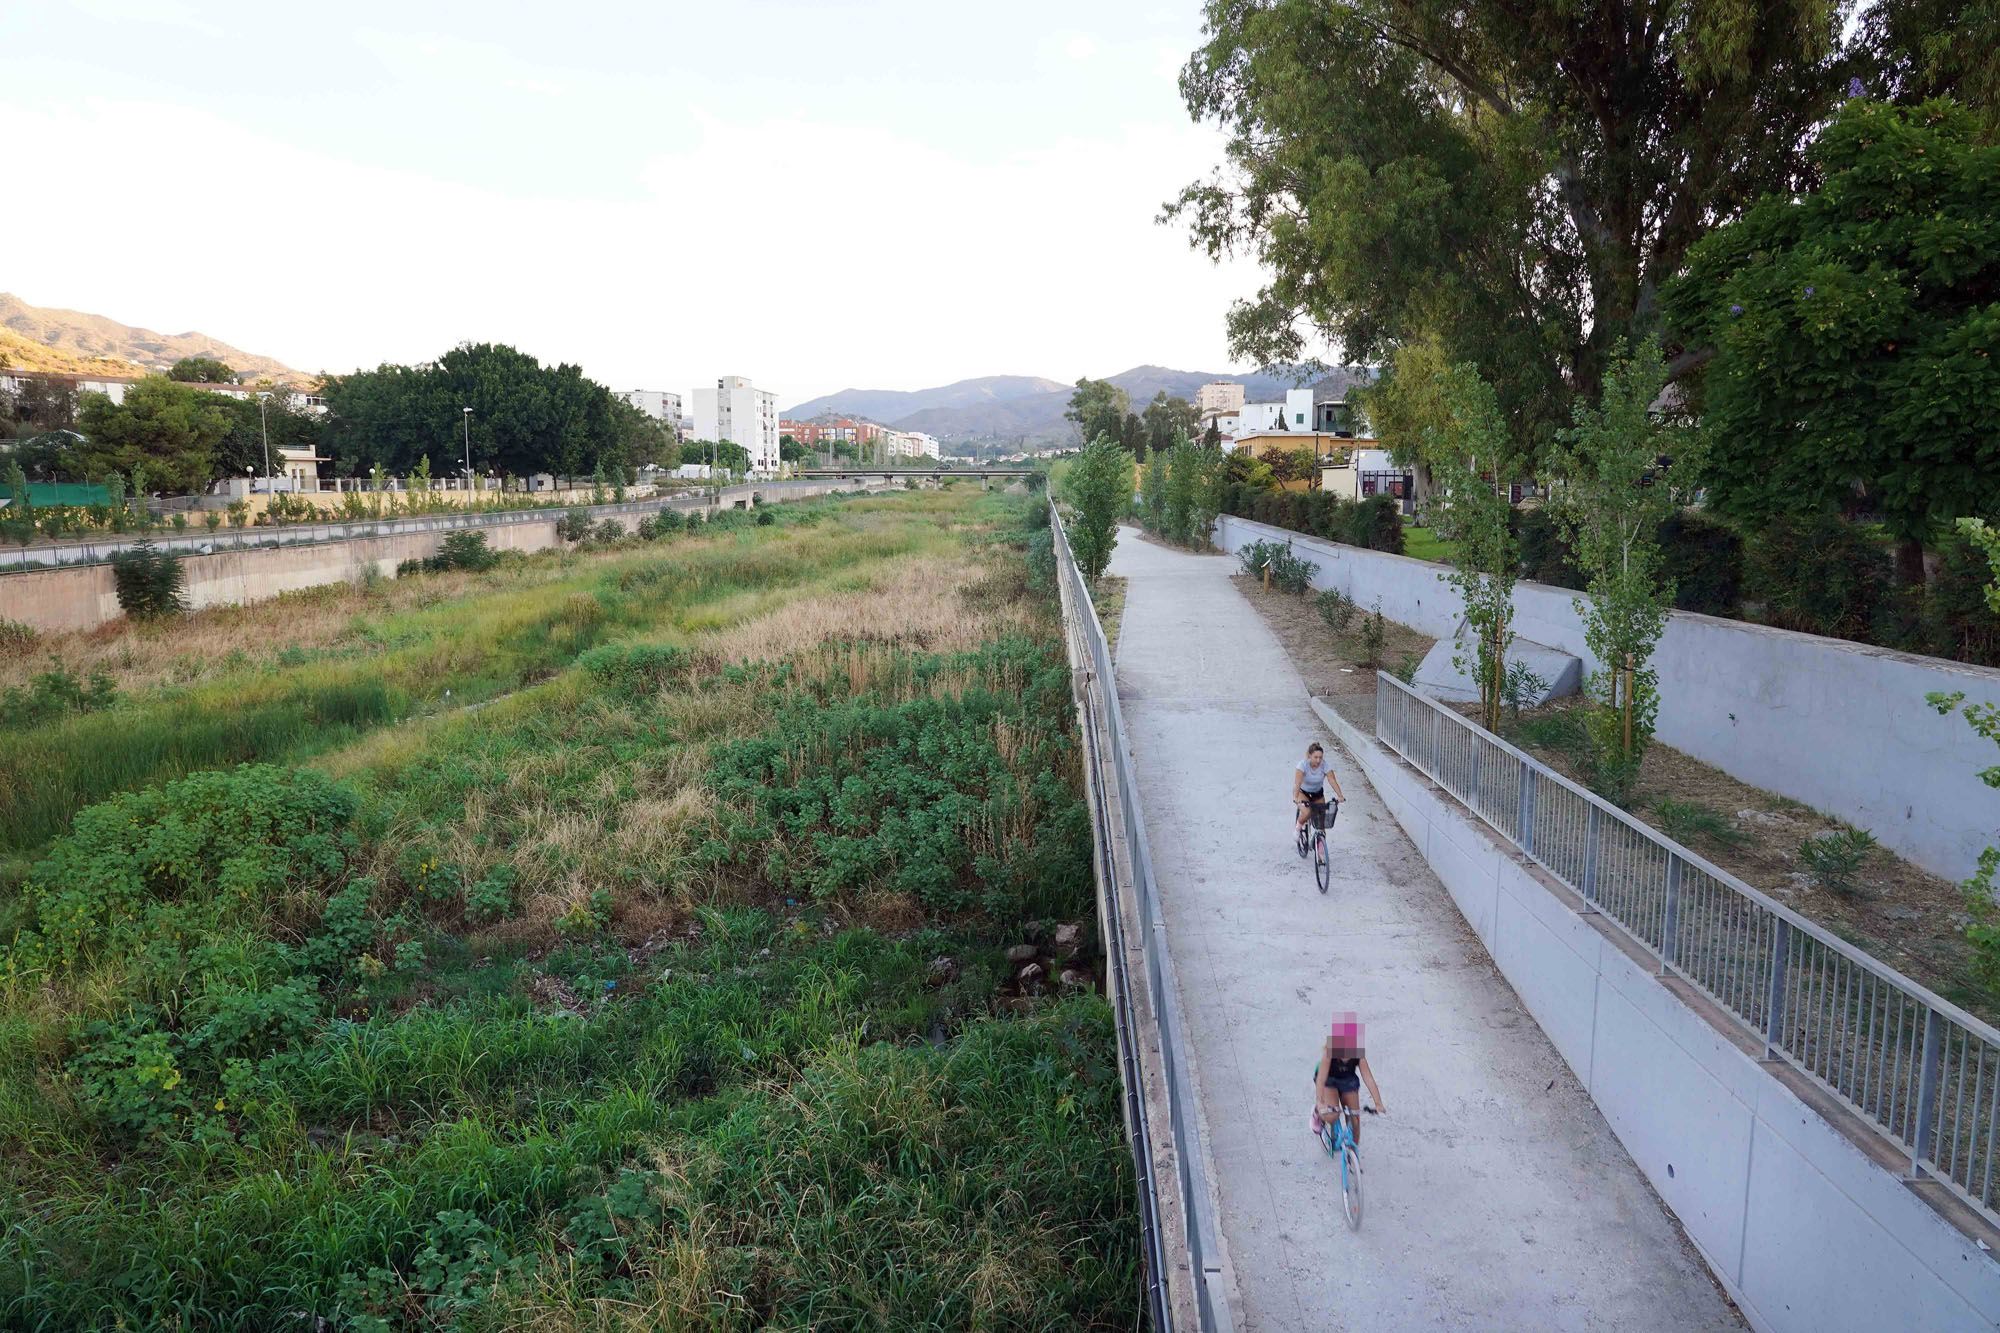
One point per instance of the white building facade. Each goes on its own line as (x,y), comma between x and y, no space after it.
(658,404)
(738,411)
(1295,413)
(913,444)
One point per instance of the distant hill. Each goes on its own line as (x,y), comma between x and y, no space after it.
(19,353)
(55,334)
(888,405)
(1016,407)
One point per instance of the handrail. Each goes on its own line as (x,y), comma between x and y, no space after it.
(1922,1070)
(1204,1265)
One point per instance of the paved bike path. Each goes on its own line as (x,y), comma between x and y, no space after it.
(1496,1195)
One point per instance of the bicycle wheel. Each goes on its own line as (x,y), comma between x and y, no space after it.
(1322,863)
(1350,1187)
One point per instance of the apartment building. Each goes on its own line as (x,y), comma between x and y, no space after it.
(738,411)
(823,433)
(660,404)
(1218,398)
(913,444)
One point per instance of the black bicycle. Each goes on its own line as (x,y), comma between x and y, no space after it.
(1320,817)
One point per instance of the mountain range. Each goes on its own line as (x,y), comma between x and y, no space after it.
(72,342)
(1026,408)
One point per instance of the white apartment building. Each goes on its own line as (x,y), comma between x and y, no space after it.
(738,411)
(1218,398)
(658,404)
(913,444)
(1295,413)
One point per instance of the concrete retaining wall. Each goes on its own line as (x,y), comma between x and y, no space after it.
(1840,726)
(1806,1228)
(82,597)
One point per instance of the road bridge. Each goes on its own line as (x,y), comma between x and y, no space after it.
(1498,1197)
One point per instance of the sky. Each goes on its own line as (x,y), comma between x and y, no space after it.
(817,195)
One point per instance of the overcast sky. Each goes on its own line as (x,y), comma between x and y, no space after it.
(818,195)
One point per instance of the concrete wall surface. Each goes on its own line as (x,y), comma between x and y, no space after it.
(1839,726)
(82,597)
(1805,1229)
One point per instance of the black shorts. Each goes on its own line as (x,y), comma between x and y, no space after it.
(1352,1083)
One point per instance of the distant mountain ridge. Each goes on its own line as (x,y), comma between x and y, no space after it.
(67,337)
(1017,407)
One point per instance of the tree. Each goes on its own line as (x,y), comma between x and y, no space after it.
(1515,180)
(1168,420)
(42,403)
(280,414)
(1212,437)
(1099,486)
(201,370)
(1153,493)
(1098,408)
(1936,48)
(1192,491)
(790,450)
(1853,330)
(1613,496)
(1471,511)
(171,430)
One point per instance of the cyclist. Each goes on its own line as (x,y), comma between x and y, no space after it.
(1337,1079)
(1310,778)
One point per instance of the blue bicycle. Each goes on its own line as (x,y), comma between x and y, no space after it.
(1337,1137)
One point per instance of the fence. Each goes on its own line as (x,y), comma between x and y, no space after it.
(1204,1250)
(305,534)
(1922,1070)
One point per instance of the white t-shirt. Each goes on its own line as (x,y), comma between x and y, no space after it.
(1312,777)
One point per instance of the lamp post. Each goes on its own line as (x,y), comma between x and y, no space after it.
(264,424)
(467,419)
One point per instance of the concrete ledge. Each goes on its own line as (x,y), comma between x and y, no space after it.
(1800,1217)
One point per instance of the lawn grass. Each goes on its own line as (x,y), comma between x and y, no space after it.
(1424,544)
(667,990)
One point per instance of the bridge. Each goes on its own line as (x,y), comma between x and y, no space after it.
(1533,1173)
(894,473)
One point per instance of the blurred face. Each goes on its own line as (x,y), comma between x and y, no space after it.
(1347,1034)
(1315,754)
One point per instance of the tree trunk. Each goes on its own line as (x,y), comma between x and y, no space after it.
(1910,562)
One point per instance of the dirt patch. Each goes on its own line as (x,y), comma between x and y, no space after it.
(1108,596)
(1334,664)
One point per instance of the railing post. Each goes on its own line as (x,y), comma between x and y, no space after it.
(1592,835)
(1929,1071)
(1525,815)
(1670,927)
(1774,1003)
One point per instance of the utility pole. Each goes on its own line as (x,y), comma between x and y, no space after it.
(467,419)
(264,424)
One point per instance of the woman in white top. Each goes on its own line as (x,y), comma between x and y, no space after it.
(1310,778)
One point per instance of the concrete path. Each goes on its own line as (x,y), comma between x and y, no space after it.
(1497,1197)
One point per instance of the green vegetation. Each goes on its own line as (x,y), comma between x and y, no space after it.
(669,991)
(1690,822)
(1425,544)
(1834,859)
(151,582)
(1098,488)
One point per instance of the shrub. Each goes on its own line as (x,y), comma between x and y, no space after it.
(465,548)
(1377,523)
(16,637)
(1374,636)
(1521,684)
(150,581)
(646,529)
(669,521)
(1704,561)
(1833,859)
(609,532)
(637,668)
(1957,621)
(574,525)
(1545,552)
(1256,556)
(1291,573)
(765,518)
(1337,609)
(1689,821)
(55,693)
(176,862)
(1819,575)
(1406,668)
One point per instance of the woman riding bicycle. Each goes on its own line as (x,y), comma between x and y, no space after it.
(1310,778)
(1338,1077)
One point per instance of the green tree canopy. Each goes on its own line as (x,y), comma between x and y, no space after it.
(1167,420)
(1098,486)
(1517,180)
(290,426)
(526,417)
(171,430)
(1098,408)
(1855,328)
(201,370)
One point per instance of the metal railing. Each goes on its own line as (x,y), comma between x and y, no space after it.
(1920,1069)
(1191,1182)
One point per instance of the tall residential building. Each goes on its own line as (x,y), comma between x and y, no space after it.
(825,432)
(1218,398)
(737,411)
(659,404)
(912,444)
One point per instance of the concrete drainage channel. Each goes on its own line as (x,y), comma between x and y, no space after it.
(1809,1217)
(1188,1284)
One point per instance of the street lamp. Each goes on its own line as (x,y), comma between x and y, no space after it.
(264,422)
(467,419)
